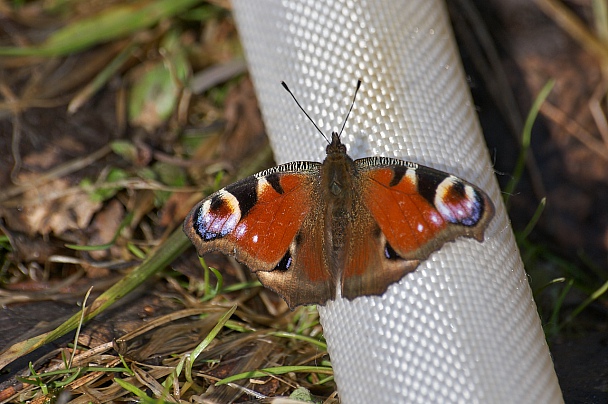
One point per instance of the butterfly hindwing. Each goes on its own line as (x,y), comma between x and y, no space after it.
(305,276)
(369,268)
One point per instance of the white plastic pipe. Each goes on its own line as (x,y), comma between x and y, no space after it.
(463,327)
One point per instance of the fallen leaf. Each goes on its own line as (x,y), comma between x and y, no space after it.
(104,226)
(54,207)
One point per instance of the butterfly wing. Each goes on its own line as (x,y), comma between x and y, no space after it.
(411,211)
(268,222)
(304,275)
(367,269)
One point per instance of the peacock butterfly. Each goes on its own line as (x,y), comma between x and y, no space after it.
(312,231)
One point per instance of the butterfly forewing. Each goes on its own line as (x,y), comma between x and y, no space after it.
(418,209)
(254,219)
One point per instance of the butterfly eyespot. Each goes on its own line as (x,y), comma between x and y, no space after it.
(285,262)
(216,218)
(390,253)
(459,203)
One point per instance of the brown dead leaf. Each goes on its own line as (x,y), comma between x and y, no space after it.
(245,132)
(30,249)
(43,160)
(176,208)
(55,207)
(104,226)
(140,205)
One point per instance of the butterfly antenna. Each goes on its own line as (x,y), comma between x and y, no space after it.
(303,110)
(352,104)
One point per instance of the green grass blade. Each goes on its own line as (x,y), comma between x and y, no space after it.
(131,388)
(165,254)
(115,22)
(299,337)
(525,141)
(279,370)
(205,343)
(532,223)
(594,296)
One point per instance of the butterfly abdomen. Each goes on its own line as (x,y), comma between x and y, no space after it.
(338,179)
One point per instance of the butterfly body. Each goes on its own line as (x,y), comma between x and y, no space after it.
(311,231)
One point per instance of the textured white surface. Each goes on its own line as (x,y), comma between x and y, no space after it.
(463,327)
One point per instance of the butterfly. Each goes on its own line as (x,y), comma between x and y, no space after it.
(311,231)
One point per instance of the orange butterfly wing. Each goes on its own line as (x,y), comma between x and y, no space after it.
(406,212)
(268,222)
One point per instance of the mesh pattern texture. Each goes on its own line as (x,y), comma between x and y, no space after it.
(463,327)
